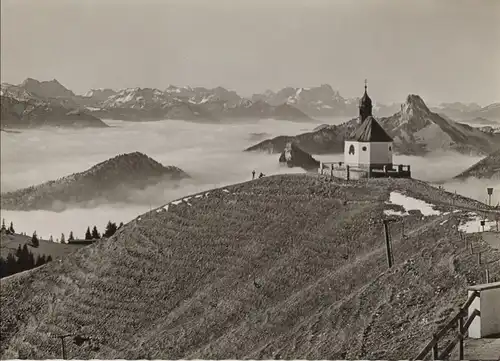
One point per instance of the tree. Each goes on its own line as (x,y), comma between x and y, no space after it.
(51,239)
(34,240)
(30,263)
(88,235)
(3,225)
(71,237)
(63,239)
(95,233)
(3,268)
(121,225)
(39,260)
(19,251)
(10,265)
(110,229)
(11,228)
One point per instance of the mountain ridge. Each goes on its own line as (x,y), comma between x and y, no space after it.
(415,129)
(218,104)
(36,113)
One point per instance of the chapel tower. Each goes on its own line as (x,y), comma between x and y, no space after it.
(365,106)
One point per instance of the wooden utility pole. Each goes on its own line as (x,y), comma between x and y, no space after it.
(461,331)
(390,259)
(63,346)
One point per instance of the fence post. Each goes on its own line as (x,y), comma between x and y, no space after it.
(435,355)
(487,275)
(460,331)
(479,258)
(387,243)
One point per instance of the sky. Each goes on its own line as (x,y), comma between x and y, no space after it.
(443,50)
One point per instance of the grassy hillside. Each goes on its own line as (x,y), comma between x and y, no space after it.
(282,267)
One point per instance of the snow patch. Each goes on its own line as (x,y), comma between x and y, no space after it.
(474,225)
(198,196)
(410,204)
(175,203)
(186,199)
(390,212)
(225,190)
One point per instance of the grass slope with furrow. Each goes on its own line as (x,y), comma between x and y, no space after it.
(289,266)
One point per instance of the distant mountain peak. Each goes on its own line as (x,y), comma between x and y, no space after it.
(414,107)
(47,89)
(29,80)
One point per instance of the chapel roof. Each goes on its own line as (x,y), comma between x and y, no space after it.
(370,131)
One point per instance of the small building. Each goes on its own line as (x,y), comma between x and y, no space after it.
(368,150)
(369,146)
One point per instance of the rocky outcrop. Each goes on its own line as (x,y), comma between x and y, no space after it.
(110,181)
(293,156)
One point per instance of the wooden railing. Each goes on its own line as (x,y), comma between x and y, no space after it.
(456,322)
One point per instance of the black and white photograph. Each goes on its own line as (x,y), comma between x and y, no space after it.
(250,179)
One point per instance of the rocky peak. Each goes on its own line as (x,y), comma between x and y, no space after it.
(28,81)
(47,89)
(414,106)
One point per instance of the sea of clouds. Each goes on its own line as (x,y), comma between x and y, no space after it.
(211,154)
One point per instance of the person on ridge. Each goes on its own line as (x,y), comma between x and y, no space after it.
(261,175)
(253,174)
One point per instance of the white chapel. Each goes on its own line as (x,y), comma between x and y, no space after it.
(369,146)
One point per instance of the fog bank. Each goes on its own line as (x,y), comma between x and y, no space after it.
(211,154)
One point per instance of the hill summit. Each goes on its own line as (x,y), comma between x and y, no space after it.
(284,267)
(108,181)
